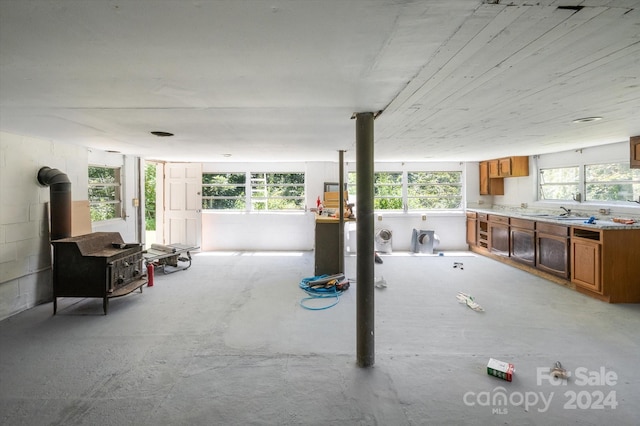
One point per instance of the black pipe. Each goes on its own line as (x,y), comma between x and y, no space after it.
(59,201)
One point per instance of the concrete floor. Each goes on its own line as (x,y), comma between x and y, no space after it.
(227,343)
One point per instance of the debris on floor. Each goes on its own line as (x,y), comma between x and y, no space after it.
(458,265)
(377,258)
(500,369)
(323,287)
(558,371)
(380,282)
(468,300)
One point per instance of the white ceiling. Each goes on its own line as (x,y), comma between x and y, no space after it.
(278,80)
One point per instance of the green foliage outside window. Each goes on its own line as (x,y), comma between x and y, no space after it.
(434,190)
(104,193)
(223,191)
(150,197)
(612,182)
(559,183)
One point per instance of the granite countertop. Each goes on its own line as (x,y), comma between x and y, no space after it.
(573,220)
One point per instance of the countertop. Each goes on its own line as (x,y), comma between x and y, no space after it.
(552,218)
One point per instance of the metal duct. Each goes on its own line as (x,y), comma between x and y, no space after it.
(59,202)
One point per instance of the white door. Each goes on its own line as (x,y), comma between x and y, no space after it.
(183,204)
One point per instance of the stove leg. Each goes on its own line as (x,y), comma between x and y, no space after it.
(55,305)
(105,305)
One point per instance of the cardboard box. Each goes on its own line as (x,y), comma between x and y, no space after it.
(500,369)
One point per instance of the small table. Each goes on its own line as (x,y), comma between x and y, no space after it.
(176,256)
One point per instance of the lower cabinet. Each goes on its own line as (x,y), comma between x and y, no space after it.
(523,241)
(499,234)
(586,264)
(552,249)
(483,231)
(472,231)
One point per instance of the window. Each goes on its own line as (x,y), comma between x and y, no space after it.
(434,190)
(277,191)
(418,191)
(261,191)
(224,191)
(559,183)
(104,193)
(598,182)
(387,191)
(611,182)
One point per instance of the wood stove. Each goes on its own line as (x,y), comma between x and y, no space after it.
(99,264)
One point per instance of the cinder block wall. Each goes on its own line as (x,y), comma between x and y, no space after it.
(25,252)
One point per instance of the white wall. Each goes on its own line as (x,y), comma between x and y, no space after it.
(25,252)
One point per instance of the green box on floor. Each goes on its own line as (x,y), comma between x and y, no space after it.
(500,369)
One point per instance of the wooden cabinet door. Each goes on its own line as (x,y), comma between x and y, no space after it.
(552,254)
(484,178)
(523,246)
(586,264)
(634,159)
(504,167)
(472,232)
(494,169)
(499,238)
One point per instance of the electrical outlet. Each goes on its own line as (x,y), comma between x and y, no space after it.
(604,211)
(424,217)
(379,217)
(524,205)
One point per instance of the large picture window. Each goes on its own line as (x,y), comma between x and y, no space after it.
(224,191)
(413,191)
(277,191)
(434,190)
(105,193)
(561,183)
(254,191)
(611,182)
(606,182)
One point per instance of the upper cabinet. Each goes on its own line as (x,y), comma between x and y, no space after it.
(509,167)
(634,160)
(493,172)
(489,185)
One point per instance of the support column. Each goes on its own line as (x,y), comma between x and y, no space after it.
(365,253)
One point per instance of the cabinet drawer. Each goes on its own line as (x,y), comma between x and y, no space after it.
(499,219)
(483,216)
(549,228)
(523,223)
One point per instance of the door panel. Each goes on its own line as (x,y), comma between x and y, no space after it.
(183,220)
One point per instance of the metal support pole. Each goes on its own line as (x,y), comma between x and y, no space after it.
(341,215)
(365,254)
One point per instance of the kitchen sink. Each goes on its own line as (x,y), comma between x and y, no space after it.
(569,218)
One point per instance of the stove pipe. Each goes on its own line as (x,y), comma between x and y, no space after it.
(59,201)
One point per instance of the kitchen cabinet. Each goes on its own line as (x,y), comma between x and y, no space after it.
(604,263)
(483,231)
(472,232)
(488,185)
(552,249)
(514,166)
(327,255)
(586,260)
(522,241)
(499,234)
(634,158)
(494,169)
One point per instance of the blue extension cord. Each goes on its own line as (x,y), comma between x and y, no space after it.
(319,293)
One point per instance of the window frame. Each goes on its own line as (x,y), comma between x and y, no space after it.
(118,196)
(251,198)
(405,185)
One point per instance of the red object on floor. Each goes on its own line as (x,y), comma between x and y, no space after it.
(150,274)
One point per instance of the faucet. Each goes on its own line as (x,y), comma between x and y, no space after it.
(567,212)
